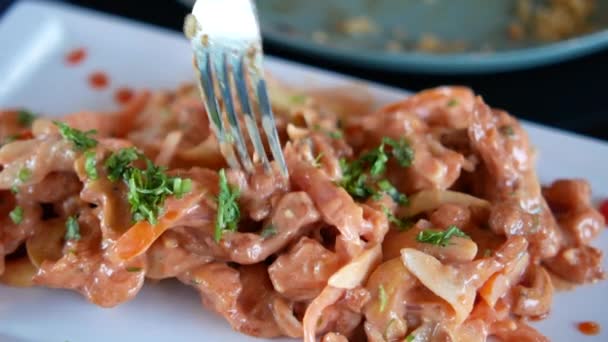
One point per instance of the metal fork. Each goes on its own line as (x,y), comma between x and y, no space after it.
(225,37)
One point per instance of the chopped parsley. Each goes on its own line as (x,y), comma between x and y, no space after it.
(133,269)
(390,190)
(317,161)
(382,297)
(16,215)
(298,99)
(119,162)
(410,338)
(487,252)
(402,224)
(452,103)
(335,134)
(269,231)
(25,118)
(354,180)
(181,186)
(228,212)
(148,187)
(15,189)
(360,177)
(401,151)
(506,130)
(90,165)
(72,229)
(81,140)
(439,238)
(24,175)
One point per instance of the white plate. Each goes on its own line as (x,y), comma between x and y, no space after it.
(34,38)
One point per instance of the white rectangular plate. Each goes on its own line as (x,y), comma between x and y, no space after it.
(34,39)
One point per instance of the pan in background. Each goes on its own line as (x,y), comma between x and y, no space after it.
(473,36)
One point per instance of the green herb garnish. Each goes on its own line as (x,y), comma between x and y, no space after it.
(335,134)
(317,161)
(181,186)
(354,180)
(133,269)
(90,165)
(118,163)
(410,338)
(452,103)
(25,118)
(402,151)
(16,215)
(24,175)
(382,297)
(402,224)
(439,238)
(72,229)
(148,187)
(298,99)
(228,212)
(81,140)
(269,231)
(377,158)
(388,188)
(360,177)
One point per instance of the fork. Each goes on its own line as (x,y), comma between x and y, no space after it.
(227,45)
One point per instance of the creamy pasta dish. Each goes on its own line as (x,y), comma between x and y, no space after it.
(421,221)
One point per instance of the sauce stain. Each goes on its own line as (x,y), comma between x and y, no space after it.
(123,95)
(589,328)
(99,80)
(76,56)
(604,209)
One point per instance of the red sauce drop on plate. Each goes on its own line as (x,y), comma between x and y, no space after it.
(98,80)
(589,328)
(604,209)
(123,95)
(76,56)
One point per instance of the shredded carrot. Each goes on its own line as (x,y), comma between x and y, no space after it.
(143,234)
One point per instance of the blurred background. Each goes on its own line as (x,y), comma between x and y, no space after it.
(542,60)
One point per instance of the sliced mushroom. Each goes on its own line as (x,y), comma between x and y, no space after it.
(47,244)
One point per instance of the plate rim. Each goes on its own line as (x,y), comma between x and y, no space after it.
(278,62)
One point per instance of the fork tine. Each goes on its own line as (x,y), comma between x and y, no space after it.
(223,76)
(212,108)
(240,81)
(269,125)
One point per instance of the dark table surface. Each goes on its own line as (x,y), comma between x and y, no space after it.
(569,95)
